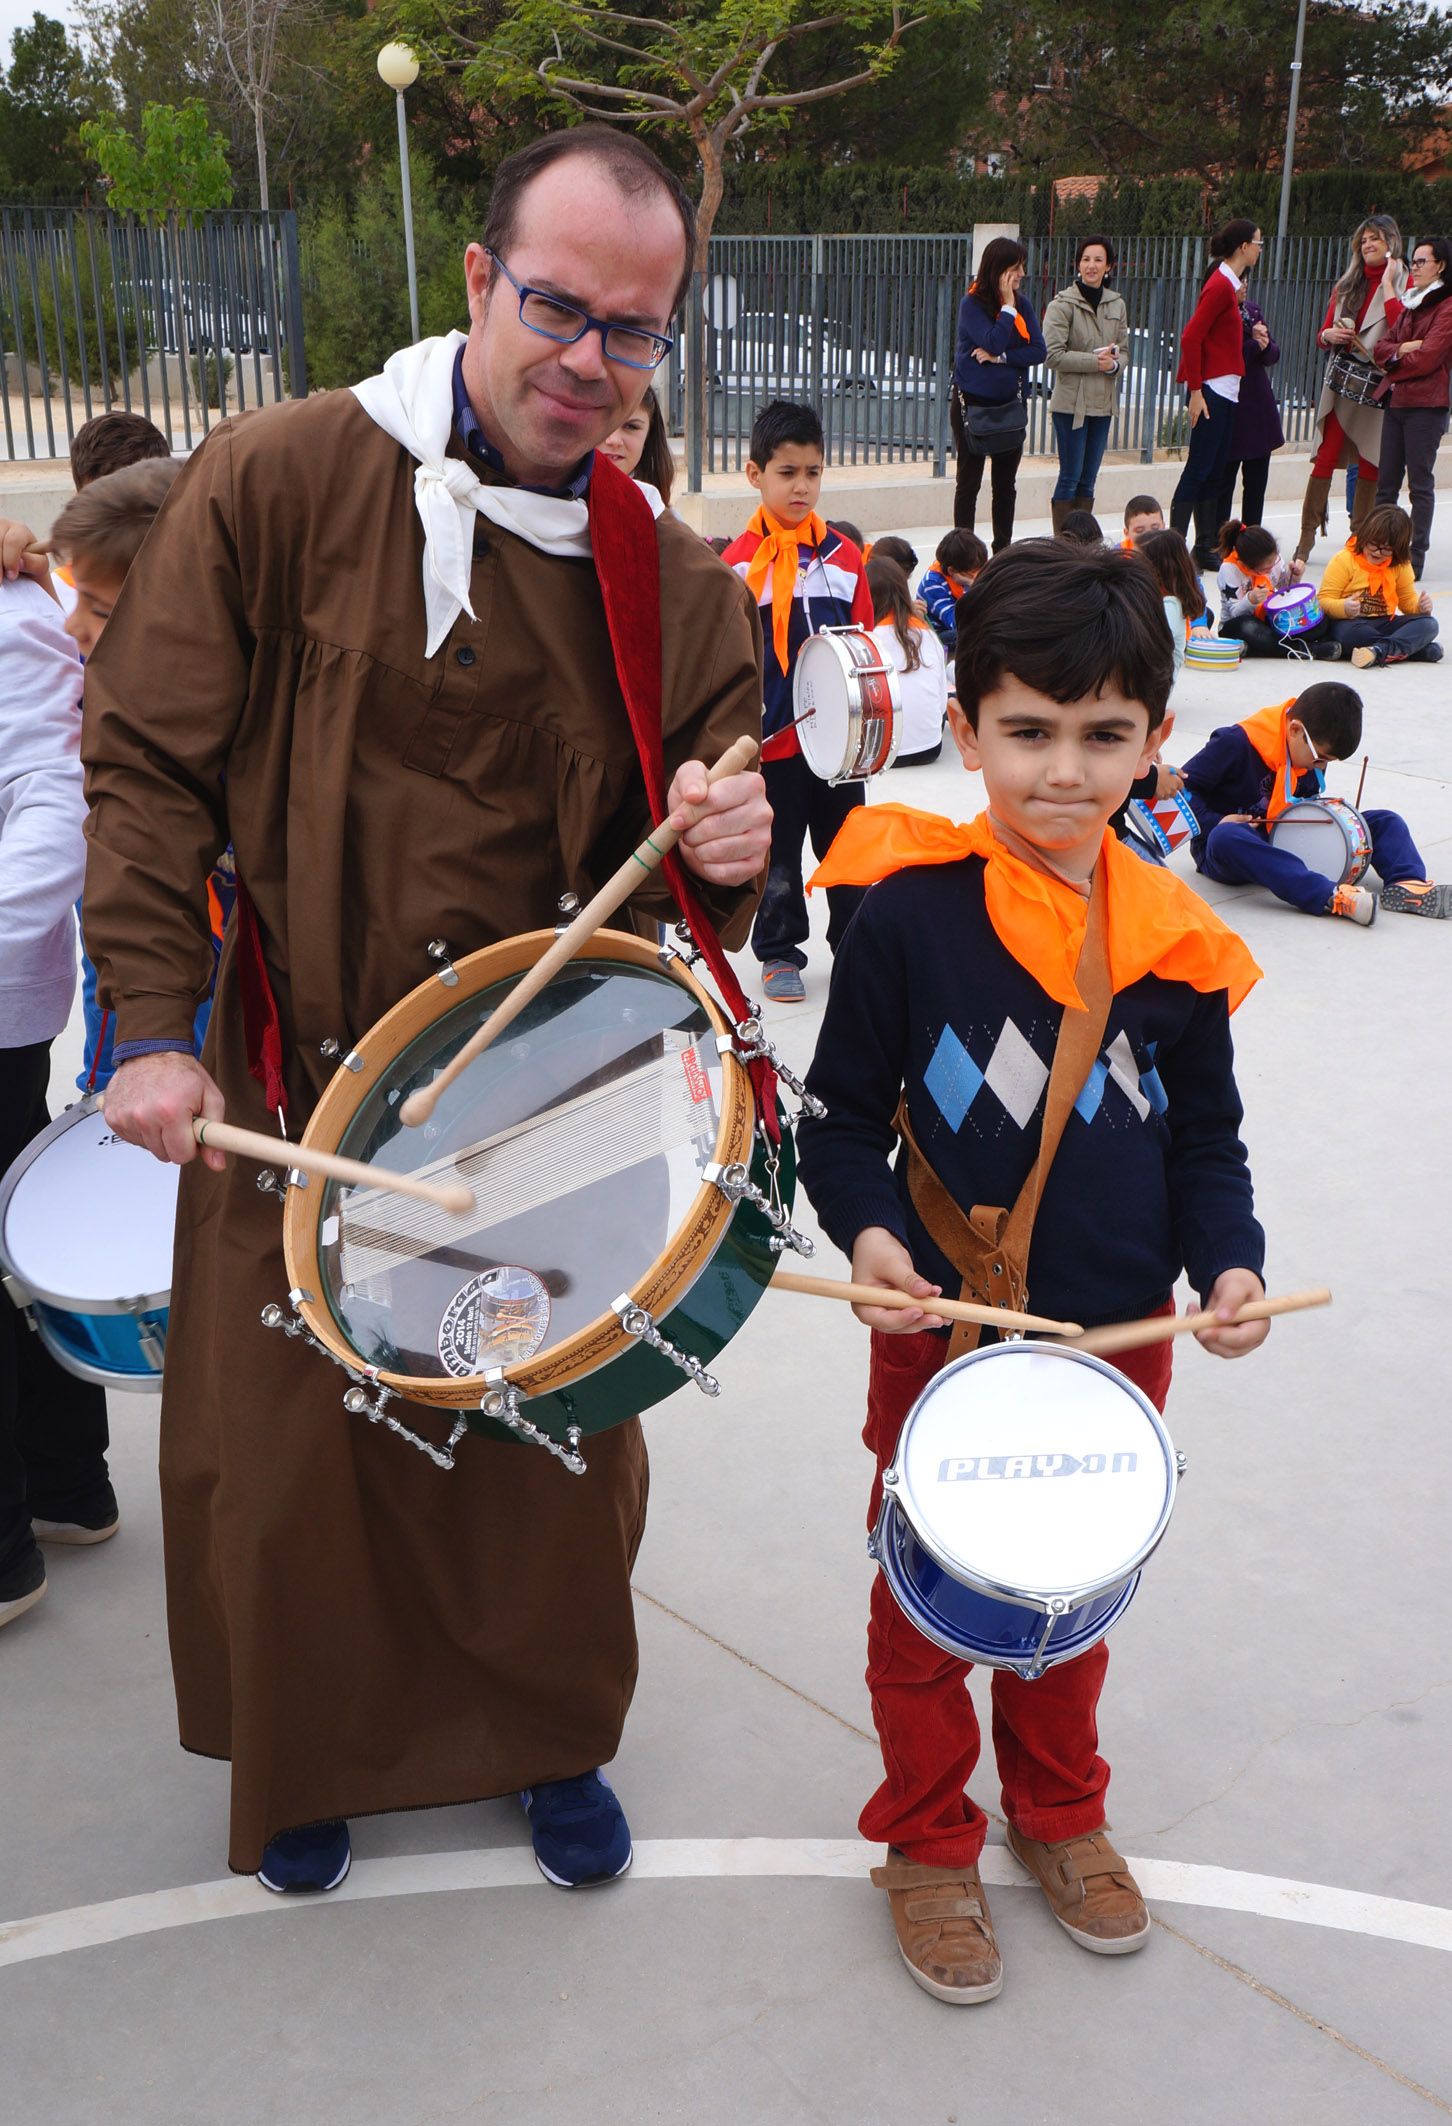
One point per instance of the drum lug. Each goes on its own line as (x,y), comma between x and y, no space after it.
(748,1042)
(1181,1465)
(151,1337)
(568,905)
(501,1401)
(637,1321)
(15,1292)
(333,1050)
(447,973)
(1035,1669)
(690,951)
(359,1403)
(737,1186)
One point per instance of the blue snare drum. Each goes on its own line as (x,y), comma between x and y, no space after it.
(1030,1485)
(1293,611)
(86,1245)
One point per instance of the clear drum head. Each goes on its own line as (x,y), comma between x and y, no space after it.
(583,1134)
(1035,1472)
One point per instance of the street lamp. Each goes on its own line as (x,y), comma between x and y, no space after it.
(399,70)
(1290,154)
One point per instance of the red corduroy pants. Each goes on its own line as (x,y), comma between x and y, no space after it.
(1045,1733)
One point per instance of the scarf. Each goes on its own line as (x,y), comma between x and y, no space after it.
(1090,295)
(1020,324)
(956,584)
(1381,579)
(1415,297)
(412,400)
(1253,576)
(779,556)
(1269,732)
(1156,923)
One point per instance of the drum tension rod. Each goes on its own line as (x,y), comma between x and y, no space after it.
(748,1041)
(356,1400)
(638,1322)
(736,1185)
(501,1401)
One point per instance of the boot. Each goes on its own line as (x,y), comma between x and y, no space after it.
(1313,515)
(1363,503)
(1058,511)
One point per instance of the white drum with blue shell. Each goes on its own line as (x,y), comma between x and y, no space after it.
(86,1225)
(1030,1485)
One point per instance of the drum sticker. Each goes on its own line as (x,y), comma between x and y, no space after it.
(497,1319)
(697,1083)
(1007,1468)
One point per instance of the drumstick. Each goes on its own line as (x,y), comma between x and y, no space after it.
(884,1295)
(1129,1335)
(271,1151)
(657,844)
(1362,784)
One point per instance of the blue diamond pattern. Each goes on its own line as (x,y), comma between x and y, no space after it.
(953,1079)
(1087,1104)
(1151,1084)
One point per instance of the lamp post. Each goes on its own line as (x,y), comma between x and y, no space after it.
(399,70)
(1285,213)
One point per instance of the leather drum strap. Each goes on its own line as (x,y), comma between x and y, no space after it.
(989,1246)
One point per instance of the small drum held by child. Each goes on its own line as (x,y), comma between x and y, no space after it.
(1293,612)
(1328,835)
(846,706)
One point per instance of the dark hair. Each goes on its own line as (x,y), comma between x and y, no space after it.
(961,551)
(1441,249)
(1066,622)
(635,168)
(999,254)
(106,522)
(1106,245)
(656,462)
(1227,240)
(893,600)
(112,441)
(780,423)
(1142,506)
(894,549)
(1386,526)
(1174,571)
(1082,528)
(1331,712)
(844,530)
(1251,543)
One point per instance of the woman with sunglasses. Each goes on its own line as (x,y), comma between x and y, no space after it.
(1416,354)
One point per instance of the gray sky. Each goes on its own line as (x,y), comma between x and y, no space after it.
(18,14)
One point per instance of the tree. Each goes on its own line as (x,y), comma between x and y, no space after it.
(180,166)
(708,70)
(44,101)
(247,34)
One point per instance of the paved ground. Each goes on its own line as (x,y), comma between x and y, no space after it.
(1279,1713)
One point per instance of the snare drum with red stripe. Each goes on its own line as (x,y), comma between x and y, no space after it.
(846,706)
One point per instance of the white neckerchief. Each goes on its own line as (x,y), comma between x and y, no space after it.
(1417,296)
(412,400)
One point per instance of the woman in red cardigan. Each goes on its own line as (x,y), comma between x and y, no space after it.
(1212,363)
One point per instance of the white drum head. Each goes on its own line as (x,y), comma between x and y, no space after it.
(89,1221)
(821,698)
(1315,836)
(1038,1472)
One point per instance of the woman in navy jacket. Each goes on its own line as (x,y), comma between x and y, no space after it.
(999,341)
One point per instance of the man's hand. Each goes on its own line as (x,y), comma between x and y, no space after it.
(1198,408)
(725,827)
(151,1102)
(1296,571)
(879,1257)
(1232,1290)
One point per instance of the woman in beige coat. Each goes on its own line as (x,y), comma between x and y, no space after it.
(1086,332)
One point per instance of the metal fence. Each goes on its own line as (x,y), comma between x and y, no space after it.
(183,323)
(863,328)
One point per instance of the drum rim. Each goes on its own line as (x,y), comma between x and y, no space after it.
(980,1582)
(689,1249)
(64,1303)
(148,1383)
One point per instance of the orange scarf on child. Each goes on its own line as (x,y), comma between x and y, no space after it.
(1156,924)
(778,556)
(1381,581)
(1269,732)
(1253,576)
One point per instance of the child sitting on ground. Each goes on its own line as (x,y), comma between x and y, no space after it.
(1081,528)
(913,651)
(957,564)
(985,952)
(1251,571)
(804,576)
(1142,515)
(1376,611)
(1246,777)
(1180,588)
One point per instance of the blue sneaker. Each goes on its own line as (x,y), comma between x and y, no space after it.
(315,1859)
(782,983)
(579,1831)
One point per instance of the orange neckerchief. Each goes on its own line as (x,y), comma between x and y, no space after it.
(1127,545)
(1019,324)
(1252,576)
(956,584)
(778,557)
(1156,923)
(1381,581)
(1269,732)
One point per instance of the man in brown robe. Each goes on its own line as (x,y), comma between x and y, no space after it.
(354,1630)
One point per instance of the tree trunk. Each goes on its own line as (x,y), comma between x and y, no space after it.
(260,135)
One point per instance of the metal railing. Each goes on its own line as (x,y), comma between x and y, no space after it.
(184,323)
(863,328)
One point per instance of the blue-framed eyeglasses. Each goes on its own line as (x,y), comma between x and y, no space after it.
(563,323)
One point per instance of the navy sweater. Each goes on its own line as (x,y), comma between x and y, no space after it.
(1228,775)
(1150,1176)
(996,383)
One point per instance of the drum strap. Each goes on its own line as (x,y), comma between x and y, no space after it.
(627,561)
(989,1246)
(261,1022)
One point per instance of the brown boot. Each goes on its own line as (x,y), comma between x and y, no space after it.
(1058,511)
(1313,516)
(1090,1890)
(944,1929)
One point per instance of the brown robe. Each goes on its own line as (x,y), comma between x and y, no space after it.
(354,1628)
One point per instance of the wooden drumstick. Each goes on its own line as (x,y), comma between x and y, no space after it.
(1361,785)
(884,1295)
(1159,1328)
(613,894)
(453,1196)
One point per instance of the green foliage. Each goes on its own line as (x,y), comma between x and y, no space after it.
(75,298)
(179,167)
(210,370)
(45,99)
(355,279)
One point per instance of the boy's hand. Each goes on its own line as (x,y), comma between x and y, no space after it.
(879,1257)
(151,1102)
(1232,1290)
(728,842)
(15,537)
(1169,782)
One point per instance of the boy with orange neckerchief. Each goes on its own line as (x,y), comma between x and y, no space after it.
(982,950)
(805,577)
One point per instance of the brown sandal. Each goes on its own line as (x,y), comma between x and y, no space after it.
(944,1929)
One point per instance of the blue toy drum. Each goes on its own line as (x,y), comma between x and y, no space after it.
(86,1247)
(1293,611)
(1030,1485)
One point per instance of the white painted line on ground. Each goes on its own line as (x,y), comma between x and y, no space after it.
(1171,1882)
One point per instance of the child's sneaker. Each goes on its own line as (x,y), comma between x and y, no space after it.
(782,983)
(944,1929)
(1355,903)
(1327,652)
(1418,897)
(1090,1890)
